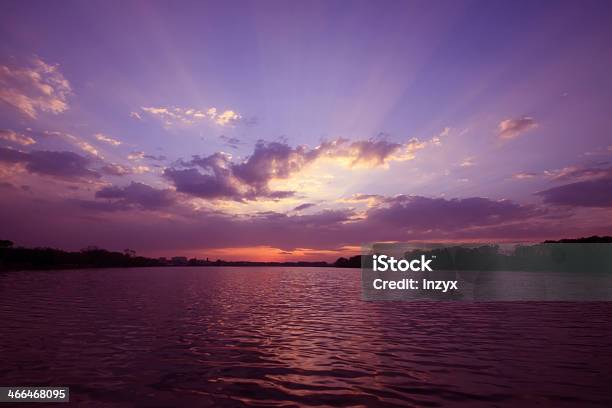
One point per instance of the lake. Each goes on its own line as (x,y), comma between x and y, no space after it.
(158,337)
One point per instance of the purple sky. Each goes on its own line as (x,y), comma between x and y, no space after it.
(300,130)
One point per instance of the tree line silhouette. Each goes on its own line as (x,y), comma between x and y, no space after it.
(19,258)
(544,256)
(549,255)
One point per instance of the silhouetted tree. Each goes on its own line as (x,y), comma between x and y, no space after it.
(5,243)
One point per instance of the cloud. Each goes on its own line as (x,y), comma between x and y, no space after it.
(218,177)
(578,173)
(371,200)
(272,160)
(524,175)
(38,87)
(221,184)
(135,115)
(362,197)
(190,116)
(304,206)
(223,118)
(77,141)
(136,156)
(368,153)
(588,193)
(233,142)
(83,145)
(247,180)
(12,156)
(113,169)
(365,197)
(423,213)
(134,195)
(337,228)
(399,219)
(445,132)
(6,185)
(512,128)
(61,164)
(107,139)
(467,162)
(437,140)
(569,173)
(601,151)
(14,137)
(154,158)
(141,169)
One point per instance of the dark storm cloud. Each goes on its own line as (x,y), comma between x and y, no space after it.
(61,164)
(589,193)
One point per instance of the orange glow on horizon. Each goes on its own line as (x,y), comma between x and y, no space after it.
(267,254)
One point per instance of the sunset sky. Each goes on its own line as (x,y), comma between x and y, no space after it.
(290,130)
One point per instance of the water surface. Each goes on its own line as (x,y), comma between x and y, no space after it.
(291,337)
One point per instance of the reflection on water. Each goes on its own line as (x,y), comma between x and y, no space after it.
(281,336)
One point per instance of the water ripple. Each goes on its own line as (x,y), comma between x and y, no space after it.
(291,337)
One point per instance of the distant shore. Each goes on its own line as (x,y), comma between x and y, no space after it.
(18,258)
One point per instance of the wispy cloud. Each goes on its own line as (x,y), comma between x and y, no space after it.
(437,140)
(76,141)
(14,137)
(467,162)
(524,175)
(190,116)
(578,173)
(141,169)
(224,118)
(136,156)
(232,142)
(37,87)
(512,128)
(83,145)
(107,139)
(114,169)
